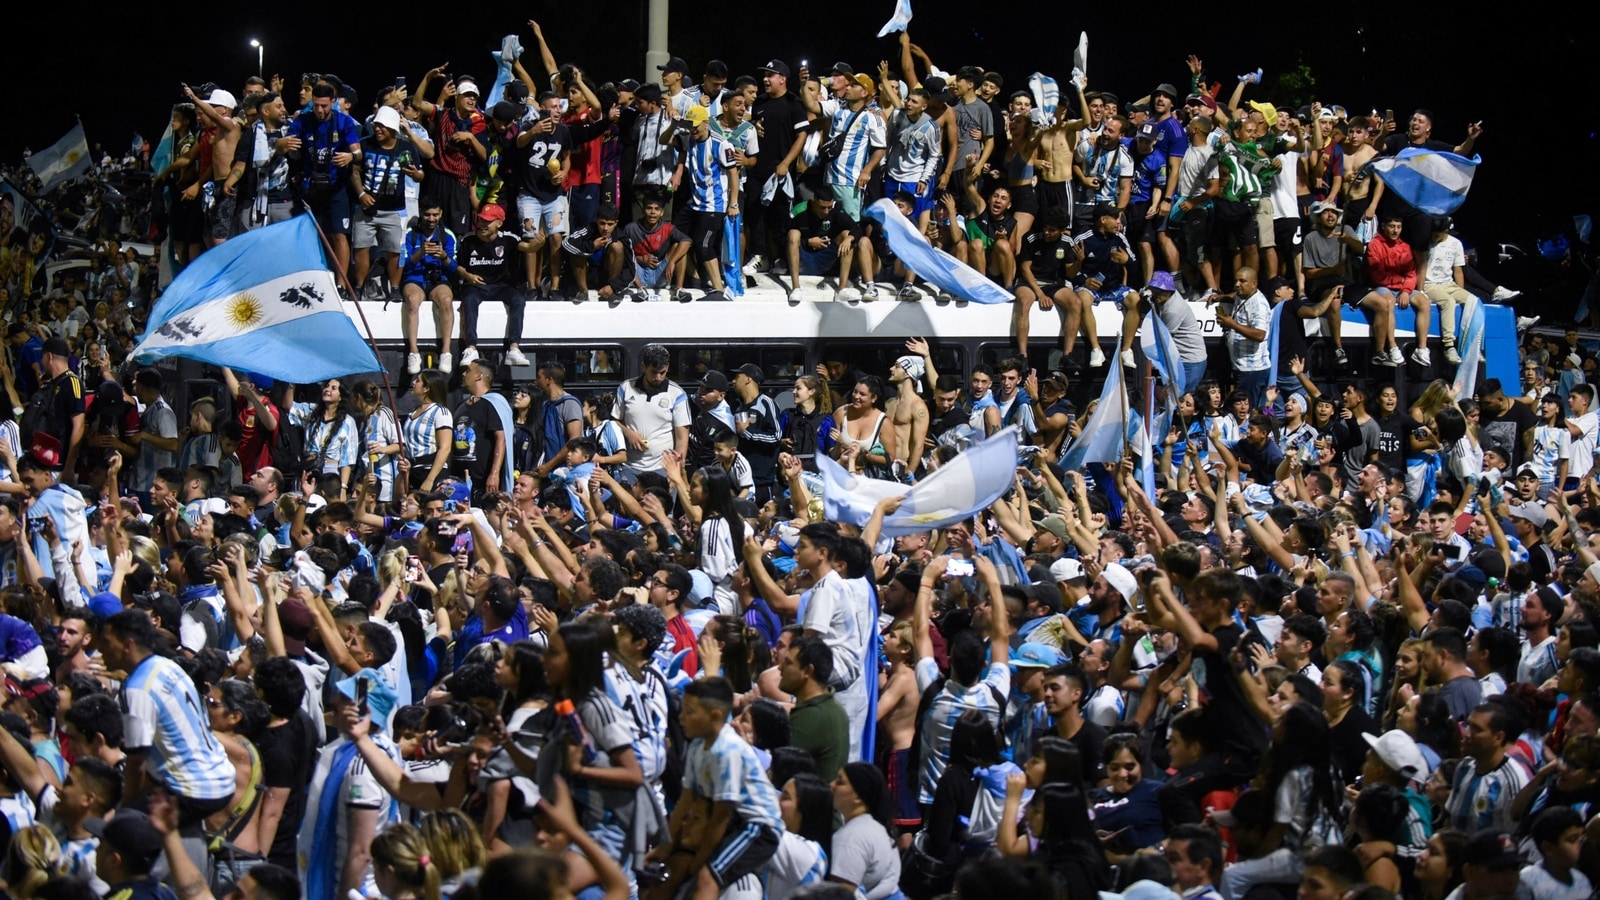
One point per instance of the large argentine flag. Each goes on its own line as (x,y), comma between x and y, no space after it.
(64,160)
(959,488)
(264,302)
(1431,180)
(930,263)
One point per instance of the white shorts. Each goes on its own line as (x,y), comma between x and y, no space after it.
(382,228)
(547,216)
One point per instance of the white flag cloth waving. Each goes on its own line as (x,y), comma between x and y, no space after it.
(977,477)
(900,19)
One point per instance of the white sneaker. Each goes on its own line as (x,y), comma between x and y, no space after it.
(1127,358)
(469,356)
(756,266)
(869,291)
(848,295)
(1526,322)
(1395,357)
(1422,357)
(1503,294)
(1451,356)
(779,268)
(413,363)
(446,362)
(1205,295)
(1096,358)
(514,357)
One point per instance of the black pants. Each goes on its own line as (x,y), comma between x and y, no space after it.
(511,295)
(768,223)
(454,199)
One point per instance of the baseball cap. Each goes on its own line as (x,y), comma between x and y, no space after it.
(1165,88)
(295,618)
(1267,110)
(465,85)
(627,84)
(1527,468)
(504,112)
(1272,285)
(388,117)
(491,212)
(1105,210)
(57,347)
(1066,569)
(775,66)
(751,371)
(220,97)
(45,450)
(840,68)
(130,834)
(1250,809)
(1532,513)
(1204,100)
(865,81)
(675,64)
(1399,752)
(1493,850)
(650,92)
(1121,580)
(697,115)
(714,381)
(1055,525)
(1036,656)
(1108,97)
(1147,131)
(1162,281)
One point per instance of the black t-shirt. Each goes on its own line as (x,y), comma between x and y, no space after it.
(1349,747)
(776,118)
(288,759)
(477,422)
(1292,339)
(1047,259)
(955,418)
(996,227)
(1392,430)
(62,398)
(542,149)
(1228,714)
(834,227)
(1090,741)
(498,262)
(1394,143)
(1505,430)
(380,172)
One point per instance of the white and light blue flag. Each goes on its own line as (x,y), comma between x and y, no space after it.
(900,19)
(1433,181)
(976,478)
(1046,94)
(263,302)
(62,161)
(1471,348)
(930,263)
(1105,435)
(1155,340)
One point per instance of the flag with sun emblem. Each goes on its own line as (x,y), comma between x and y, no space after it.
(62,161)
(263,302)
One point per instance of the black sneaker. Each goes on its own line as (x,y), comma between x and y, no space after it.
(714,296)
(1340,359)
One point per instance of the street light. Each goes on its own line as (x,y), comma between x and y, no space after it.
(261,54)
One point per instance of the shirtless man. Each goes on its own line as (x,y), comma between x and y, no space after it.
(907,411)
(1058,144)
(221,133)
(1358,151)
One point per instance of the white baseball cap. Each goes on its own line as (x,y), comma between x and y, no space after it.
(220,97)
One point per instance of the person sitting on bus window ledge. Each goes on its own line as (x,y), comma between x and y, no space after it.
(430,253)
(658,252)
(713,195)
(1324,259)
(1392,269)
(820,241)
(491,269)
(1444,282)
(1104,255)
(599,245)
(990,233)
(1048,262)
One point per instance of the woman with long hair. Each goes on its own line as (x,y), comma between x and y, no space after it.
(1377,815)
(566,860)
(1298,773)
(382,434)
(332,439)
(1463,455)
(1427,719)
(813,407)
(863,855)
(1021,154)
(860,425)
(806,803)
(730,647)
(237,717)
(600,423)
(1059,816)
(402,867)
(708,498)
(946,828)
(1439,868)
(429,430)
(454,847)
(1127,816)
(1552,444)
(1408,672)
(1423,445)
(32,860)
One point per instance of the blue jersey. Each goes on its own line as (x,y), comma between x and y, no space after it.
(319,142)
(162,713)
(426,270)
(709,161)
(727,770)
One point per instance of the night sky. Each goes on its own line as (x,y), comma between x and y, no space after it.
(1515,74)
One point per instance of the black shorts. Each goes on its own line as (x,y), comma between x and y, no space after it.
(332,210)
(1136,228)
(1048,288)
(1234,220)
(706,230)
(1024,199)
(1055,193)
(219,221)
(1287,233)
(1318,289)
(747,847)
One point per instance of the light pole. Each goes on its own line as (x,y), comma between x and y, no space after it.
(261,55)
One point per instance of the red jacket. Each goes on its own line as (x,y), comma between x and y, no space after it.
(1391,265)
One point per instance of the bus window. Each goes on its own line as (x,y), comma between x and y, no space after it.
(1043,358)
(605,364)
(846,361)
(778,362)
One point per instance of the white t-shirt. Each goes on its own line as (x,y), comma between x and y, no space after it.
(864,856)
(796,863)
(1538,882)
(1443,258)
(1581,459)
(828,614)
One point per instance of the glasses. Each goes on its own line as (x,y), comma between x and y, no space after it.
(651,582)
(213,702)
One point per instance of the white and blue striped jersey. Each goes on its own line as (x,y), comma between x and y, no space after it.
(381,431)
(866,134)
(421,431)
(161,711)
(953,700)
(644,706)
(332,444)
(16,813)
(796,863)
(727,770)
(708,163)
(608,434)
(913,149)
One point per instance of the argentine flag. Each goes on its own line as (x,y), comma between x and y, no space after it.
(263,302)
(898,21)
(1433,181)
(931,264)
(977,477)
(62,161)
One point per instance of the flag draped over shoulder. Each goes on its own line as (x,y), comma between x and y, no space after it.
(976,478)
(264,302)
(1433,181)
(62,161)
(900,19)
(930,263)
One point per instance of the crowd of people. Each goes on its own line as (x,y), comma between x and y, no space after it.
(314,641)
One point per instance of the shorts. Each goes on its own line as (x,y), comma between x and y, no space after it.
(1287,238)
(745,848)
(219,220)
(380,228)
(1110,295)
(1049,288)
(1137,228)
(548,216)
(651,276)
(818,262)
(1192,233)
(332,211)
(706,231)
(903,791)
(1264,229)
(1024,199)
(1055,193)
(849,198)
(1236,220)
(923,202)
(1316,290)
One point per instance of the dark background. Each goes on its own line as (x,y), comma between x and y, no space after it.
(1529,78)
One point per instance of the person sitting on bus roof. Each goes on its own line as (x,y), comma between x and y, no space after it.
(600,245)
(821,241)
(1047,263)
(1102,275)
(658,252)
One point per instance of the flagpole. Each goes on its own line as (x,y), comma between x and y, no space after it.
(355,300)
